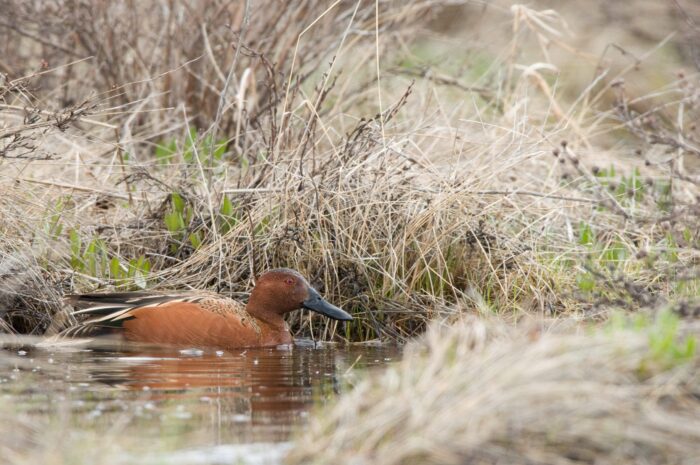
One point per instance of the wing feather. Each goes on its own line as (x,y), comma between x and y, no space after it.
(109,311)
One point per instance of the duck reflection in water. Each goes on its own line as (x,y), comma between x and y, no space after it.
(251,387)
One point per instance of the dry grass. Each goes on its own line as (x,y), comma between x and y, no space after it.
(413,176)
(402,200)
(484,393)
(242,82)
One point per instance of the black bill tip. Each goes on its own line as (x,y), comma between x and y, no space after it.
(316,303)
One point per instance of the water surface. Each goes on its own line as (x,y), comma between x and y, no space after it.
(178,406)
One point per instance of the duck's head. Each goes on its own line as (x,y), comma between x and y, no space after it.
(283,290)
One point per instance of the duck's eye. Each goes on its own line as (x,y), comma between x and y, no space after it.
(289,281)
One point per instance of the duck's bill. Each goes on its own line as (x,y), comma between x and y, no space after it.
(316,303)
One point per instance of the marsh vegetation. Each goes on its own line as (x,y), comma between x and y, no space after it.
(497,185)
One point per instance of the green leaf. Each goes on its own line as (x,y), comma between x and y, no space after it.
(178,202)
(192,136)
(145,265)
(190,142)
(115,268)
(586,236)
(138,264)
(672,253)
(90,257)
(75,243)
(76,261)
(690,346)
(195,239)
(687,236)
(614,253)
(226,208)
(585,282)
(174,222)
(220,149)
(227,218)
(164,153)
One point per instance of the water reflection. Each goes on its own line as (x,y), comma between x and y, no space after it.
(253,395)
(195,398)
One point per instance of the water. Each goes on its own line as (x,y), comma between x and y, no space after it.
(188,406)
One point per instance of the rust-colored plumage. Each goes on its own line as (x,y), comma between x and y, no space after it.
(204,320)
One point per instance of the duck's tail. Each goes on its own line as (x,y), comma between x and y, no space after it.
(107,312)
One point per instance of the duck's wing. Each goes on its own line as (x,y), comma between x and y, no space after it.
(108,312)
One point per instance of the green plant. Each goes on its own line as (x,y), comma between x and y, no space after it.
(624,188)
(227,215)
(177,220)
(90,258)
(599,254)
(135,271)
(585,281)
(667,346)
(93,259)
(166,151)
(53,226)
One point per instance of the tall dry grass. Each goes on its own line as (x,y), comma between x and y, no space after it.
(166,145)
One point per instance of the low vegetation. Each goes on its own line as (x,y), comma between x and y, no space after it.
(482,392)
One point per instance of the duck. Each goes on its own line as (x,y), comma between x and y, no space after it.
(202,319)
